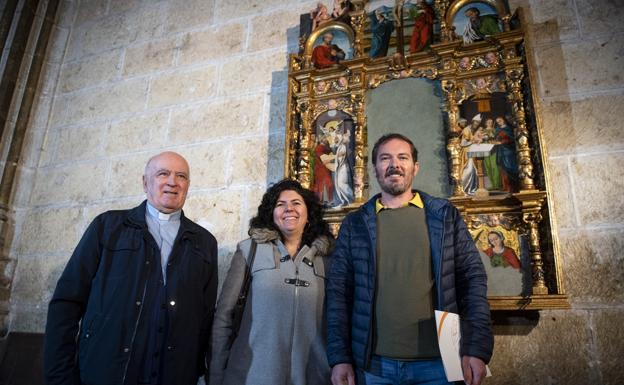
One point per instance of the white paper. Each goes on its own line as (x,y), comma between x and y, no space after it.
(449,340)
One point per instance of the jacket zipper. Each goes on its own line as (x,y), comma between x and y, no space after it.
(136,324)
(439,272)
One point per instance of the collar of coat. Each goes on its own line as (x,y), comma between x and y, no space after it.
(434,207)
(136,218)
(263,235)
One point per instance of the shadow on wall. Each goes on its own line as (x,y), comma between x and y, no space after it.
(277,113)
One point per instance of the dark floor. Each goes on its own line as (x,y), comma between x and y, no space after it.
(22,359)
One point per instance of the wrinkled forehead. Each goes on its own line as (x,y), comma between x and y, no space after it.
(167,161)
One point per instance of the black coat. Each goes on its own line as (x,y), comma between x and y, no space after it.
(460,283)
(98,321)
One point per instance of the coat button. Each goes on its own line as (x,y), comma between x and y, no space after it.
(170,348)
(172,303)
(126,350)
(87,335)
(138,303)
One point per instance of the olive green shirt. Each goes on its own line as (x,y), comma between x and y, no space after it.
(404,317)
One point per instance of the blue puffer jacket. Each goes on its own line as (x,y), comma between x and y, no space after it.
(460,282)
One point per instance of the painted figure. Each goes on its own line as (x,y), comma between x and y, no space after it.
(319,16)
(505,149)
(501,255)
(489,162)
(327,54)
(470,134)
(341,10)
(342,175)
(422,34)
(479,26)
(381,29)
(323,182)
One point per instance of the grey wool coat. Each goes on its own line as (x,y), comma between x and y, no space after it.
(282,337)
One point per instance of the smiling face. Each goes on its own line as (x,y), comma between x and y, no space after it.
(395,168)
(166,182)
(290,214)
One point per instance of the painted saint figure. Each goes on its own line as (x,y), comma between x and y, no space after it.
(342,175)
(489,162)
(327,54)
(323,183)
(501,255)
(479,26)
(505,149)
(422,34)
(381,28)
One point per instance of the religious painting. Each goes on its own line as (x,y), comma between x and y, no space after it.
(489,165)
(476,20)
(504,253)
(321,15)
(401,66)
(411,23)
(333,157)
(330,45)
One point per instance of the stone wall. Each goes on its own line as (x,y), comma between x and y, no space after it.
(127,78)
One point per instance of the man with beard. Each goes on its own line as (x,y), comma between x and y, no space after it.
(403,254)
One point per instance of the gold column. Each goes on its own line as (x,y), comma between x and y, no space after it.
(532,219)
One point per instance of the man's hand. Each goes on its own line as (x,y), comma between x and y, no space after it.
(473,368)
(342,374)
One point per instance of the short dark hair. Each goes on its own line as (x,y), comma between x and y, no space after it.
(387,137)
(316,224)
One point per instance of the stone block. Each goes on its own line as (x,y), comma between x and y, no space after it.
(36,277)
(185,14)
(276,29)
(93,210)
(50,230)
(137,133)
(119,6)
(595,64)
(150,56)
(527,353)
(80,143)
(250,161)
(550,64)
(225,117)
(28,318)
(597,124)
(90,10)
(552,21)
(119,30)
(110,101)
(215,43)
(82,182)
(226,9)
(126,176)
(209,164)
(598,204)
(610,345)
(183,87)
(562,193)
(252,72)
(219,213)
(593,265)
(602,17)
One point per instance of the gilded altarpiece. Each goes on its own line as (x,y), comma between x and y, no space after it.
(470,58)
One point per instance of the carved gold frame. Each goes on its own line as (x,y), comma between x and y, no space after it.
(310,90)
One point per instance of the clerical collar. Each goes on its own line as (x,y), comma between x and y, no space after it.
(174,216)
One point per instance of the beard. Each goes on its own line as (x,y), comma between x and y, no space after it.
(396,187)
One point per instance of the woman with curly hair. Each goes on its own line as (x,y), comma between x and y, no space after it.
(281,339)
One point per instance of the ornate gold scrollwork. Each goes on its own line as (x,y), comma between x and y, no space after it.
(514,82)
(532,219)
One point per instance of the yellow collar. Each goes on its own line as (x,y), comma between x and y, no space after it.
(415,201)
